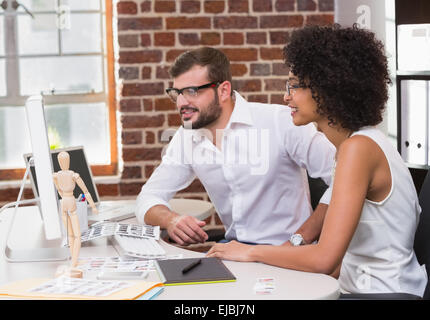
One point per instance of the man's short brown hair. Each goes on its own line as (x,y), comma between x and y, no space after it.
(216,61)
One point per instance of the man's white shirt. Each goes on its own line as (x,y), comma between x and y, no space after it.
(256,178)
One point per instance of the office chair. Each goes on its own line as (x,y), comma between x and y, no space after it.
(317,187)
(421,247)
(422,239)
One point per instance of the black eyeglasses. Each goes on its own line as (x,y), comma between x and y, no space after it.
(291,89)
(188,92)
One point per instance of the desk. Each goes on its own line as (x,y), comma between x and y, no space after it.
(289,284)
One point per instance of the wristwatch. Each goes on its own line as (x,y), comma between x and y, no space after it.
(297,240)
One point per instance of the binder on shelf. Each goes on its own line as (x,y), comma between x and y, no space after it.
(413,47)
(415,121)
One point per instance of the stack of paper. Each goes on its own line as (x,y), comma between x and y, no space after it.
(80,289)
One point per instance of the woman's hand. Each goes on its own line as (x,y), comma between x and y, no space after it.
(231,251)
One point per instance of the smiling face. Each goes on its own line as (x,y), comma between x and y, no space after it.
(203,109)
(303,106)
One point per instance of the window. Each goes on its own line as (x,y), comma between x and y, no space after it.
(61,49)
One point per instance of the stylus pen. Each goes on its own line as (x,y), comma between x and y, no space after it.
(191,266)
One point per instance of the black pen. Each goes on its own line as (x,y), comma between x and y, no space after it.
(191,266)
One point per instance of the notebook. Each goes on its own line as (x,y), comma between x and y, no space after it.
(210,270)
(108,210)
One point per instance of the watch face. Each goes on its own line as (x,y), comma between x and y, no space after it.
(296,239)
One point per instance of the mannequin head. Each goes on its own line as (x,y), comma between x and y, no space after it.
(64,160)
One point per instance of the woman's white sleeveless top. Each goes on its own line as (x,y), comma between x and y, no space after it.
(380,257)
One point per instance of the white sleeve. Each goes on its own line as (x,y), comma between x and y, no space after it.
(326,197)
(320,157)
(311,150)
(171,176)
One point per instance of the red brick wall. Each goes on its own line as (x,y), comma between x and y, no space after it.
(151,34)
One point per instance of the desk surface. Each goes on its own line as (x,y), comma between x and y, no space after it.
(289,284)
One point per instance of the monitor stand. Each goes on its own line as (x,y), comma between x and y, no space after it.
(26,241)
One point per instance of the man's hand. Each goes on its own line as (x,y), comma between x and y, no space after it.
(186,230)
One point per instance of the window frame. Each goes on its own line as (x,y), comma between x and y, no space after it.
(97,170)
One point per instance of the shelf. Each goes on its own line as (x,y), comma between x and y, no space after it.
(413,73)
(417,166)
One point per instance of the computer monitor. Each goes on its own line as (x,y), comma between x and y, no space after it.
(48,204)
(43,167)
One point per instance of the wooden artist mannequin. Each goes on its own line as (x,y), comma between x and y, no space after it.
(65,181)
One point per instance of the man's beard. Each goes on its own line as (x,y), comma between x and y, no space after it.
(206,117)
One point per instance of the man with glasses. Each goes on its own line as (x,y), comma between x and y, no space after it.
(250,158)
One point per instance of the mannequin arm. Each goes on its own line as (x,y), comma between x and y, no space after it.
(84,189)
(56,185)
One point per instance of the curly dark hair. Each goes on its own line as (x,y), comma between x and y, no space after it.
(346,70)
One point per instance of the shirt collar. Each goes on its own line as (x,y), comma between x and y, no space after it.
(240,112)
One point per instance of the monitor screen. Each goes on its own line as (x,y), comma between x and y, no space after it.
(78,164)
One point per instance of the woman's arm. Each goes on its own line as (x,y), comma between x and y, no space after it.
(354,172)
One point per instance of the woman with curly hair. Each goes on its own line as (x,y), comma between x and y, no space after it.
(338,79)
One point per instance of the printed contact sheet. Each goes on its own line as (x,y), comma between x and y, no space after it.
(106,229)
(82,287)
